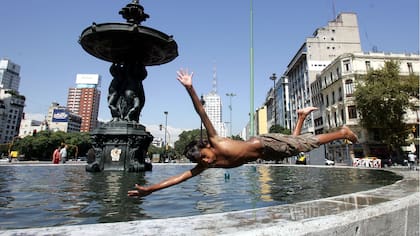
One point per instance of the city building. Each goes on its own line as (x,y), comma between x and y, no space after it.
(262,126)
(322,74)
(271,110)
(9,75)
(213,108)
(11,102)
(84,99)
(30,127)
(158,142)
(340,36)
(332,93)
(59,118)
(11,113)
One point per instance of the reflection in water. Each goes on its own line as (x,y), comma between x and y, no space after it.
(210,184)
(52,195)
(265,183)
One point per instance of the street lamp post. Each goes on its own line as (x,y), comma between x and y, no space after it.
(273,78)
(230,95)
(166,127)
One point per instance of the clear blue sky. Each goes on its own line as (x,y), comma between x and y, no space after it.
(42,37)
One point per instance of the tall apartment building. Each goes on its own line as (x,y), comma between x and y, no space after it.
(9,75)
(11,113)
(213,108)
(11,102)
(338,37)
(84,99)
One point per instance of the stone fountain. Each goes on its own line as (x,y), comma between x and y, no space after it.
(122,143)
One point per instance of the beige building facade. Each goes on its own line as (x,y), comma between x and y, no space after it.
(333,91)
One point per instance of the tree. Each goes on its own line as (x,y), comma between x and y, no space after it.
(382,97)
(41,146)
(279,129)
(236,137)
(186,137)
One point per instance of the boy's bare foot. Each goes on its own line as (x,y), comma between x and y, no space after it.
(348,134)
(305,111)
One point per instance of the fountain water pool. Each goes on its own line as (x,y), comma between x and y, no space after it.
(54,195)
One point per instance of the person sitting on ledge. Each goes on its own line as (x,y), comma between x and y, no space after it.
(221,152)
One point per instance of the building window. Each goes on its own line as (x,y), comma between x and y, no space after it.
(349,88)
(368,67)
(352,112)
(410,67)
(335,119)
(340,94)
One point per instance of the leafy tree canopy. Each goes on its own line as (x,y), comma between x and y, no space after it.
(42,145)
(279,129)
(186,137)
(382,97)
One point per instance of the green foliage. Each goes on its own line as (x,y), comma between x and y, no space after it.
(382,96)
(42,145)
(279,129)
(186,137)
(4,148)
(236,137)
(155,150)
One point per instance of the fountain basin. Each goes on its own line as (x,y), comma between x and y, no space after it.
(82,198)
(123,42)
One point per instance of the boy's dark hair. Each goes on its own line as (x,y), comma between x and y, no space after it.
(192,150)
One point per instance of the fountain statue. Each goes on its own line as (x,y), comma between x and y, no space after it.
(122,143)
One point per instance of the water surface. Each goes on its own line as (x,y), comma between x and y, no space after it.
(53,195)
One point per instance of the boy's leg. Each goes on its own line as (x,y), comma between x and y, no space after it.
(302,113)
(343,133)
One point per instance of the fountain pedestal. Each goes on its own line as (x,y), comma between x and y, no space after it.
(120,146)
(122,143)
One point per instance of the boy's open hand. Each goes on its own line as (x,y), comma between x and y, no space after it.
(141,191)
(184,77)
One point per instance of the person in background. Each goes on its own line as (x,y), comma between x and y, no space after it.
(411,160)
(63,154)
(56,156)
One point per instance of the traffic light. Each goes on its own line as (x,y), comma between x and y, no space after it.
(160,127)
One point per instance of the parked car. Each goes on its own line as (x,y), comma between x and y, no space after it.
(329,162)
(301,159)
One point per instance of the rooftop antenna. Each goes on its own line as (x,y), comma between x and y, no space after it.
(333,8)
(214,90)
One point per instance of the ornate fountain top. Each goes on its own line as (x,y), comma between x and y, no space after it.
(134,13)
(129,42)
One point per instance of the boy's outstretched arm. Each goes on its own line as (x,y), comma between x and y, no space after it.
(144,191)
(186,79)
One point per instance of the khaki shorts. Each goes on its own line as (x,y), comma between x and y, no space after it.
(278,146)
